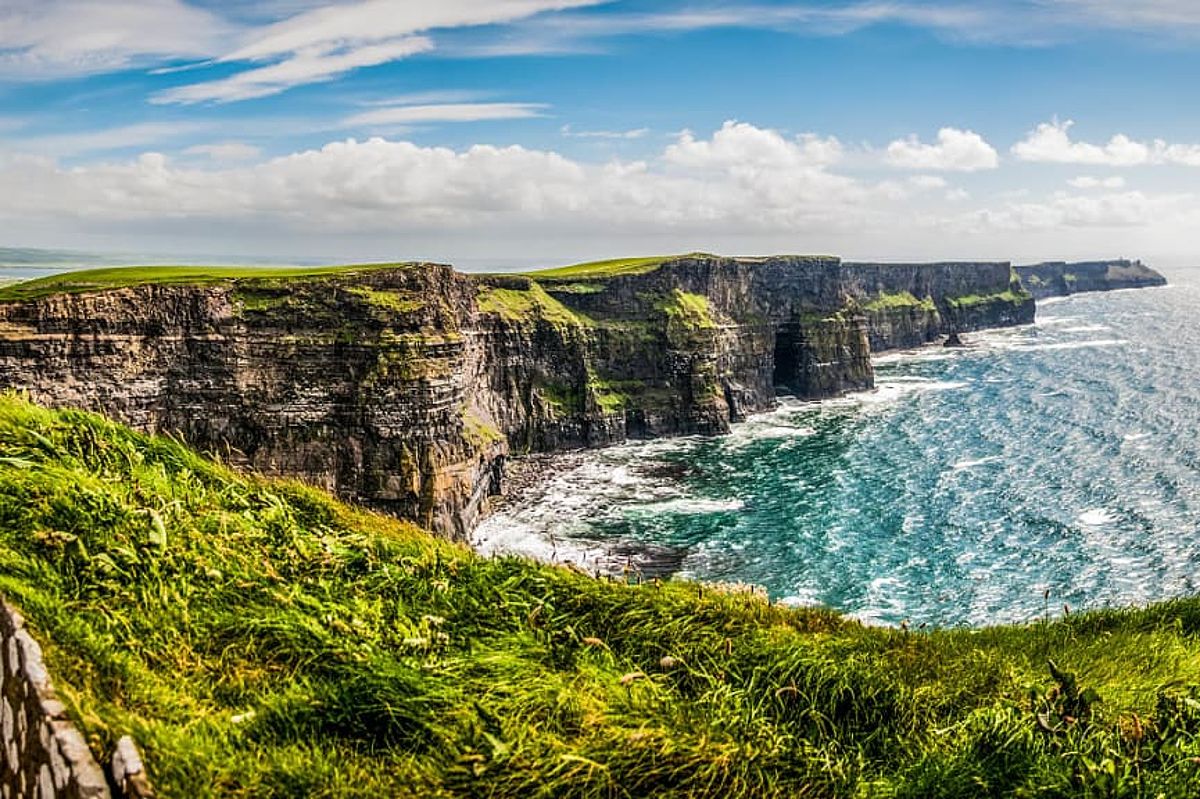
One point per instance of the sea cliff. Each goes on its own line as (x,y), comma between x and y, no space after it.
(406,386)
(1059,278)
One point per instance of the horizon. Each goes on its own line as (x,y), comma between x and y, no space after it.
(507,134)
(31,263)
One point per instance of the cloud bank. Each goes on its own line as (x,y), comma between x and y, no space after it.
(741,183)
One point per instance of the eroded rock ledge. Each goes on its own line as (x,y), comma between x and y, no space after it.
(1058,278)
(406,386)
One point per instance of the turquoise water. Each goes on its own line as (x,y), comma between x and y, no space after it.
(1058,457)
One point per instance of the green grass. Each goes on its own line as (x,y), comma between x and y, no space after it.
(904,299)
(259,639)
(391,301)
(687,315)
(608,395)
(614,267)
(478,431)
(1012,296)
(124,276)
(526,304)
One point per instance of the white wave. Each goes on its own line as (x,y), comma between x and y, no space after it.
(1020,346)
(621,476)
(501,534)
(689,505)
(1052,301)
(778,431)
(1055,320)
(971,464)
(932,352)
(803,598)
(1085,329)
(1096,517)
(889,389)
(882,599)
(1135,436)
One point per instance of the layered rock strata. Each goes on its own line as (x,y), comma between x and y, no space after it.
(407,386)
(1059,278)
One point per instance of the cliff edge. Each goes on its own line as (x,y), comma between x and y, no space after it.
(407,385)
(1059,278)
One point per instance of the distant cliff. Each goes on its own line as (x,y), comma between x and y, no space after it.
(406,386)
(1058,278)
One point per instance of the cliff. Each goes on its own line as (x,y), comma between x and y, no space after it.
(406,386)
(1058,278)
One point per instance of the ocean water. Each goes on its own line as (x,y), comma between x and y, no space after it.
(1062,456)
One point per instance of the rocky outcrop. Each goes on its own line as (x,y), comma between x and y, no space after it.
(407,386)
(1058,278)
(907,305)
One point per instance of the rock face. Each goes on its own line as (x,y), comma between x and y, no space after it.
(907,305)
(1058,278)
(407,386)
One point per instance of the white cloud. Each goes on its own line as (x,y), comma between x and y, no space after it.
(1050,142)
(741,146)
(1182,154)
(444,112)
(430,97)
(324,43)
(729,179)
(106,139)
(956,150)
(742,188)
(40,38)
(928,181)
(1088,182)
(1141,14)
(226,152)
(634,133)
(1020,22)
(51,38)
(378,20)
(313,65)
(1097,211)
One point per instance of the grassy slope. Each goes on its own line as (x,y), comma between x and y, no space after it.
(259,639)
(613,267)
(122,276)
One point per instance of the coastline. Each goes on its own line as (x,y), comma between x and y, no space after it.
(638,496)
(531,479)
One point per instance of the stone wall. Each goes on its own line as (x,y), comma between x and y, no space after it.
(42,754)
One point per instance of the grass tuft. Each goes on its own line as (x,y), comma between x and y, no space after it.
(259,639)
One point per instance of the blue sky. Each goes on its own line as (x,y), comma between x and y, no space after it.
(496,133)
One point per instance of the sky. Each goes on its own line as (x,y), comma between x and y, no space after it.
(496,134)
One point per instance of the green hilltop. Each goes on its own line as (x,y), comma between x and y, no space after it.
(613,267)
(259,639)
(124,276)
(115,277)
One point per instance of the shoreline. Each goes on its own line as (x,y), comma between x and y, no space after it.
(598,509)
(530,479)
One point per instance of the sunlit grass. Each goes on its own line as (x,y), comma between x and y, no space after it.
(259,639)
(123,276)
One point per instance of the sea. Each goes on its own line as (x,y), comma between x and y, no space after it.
(1049,466)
